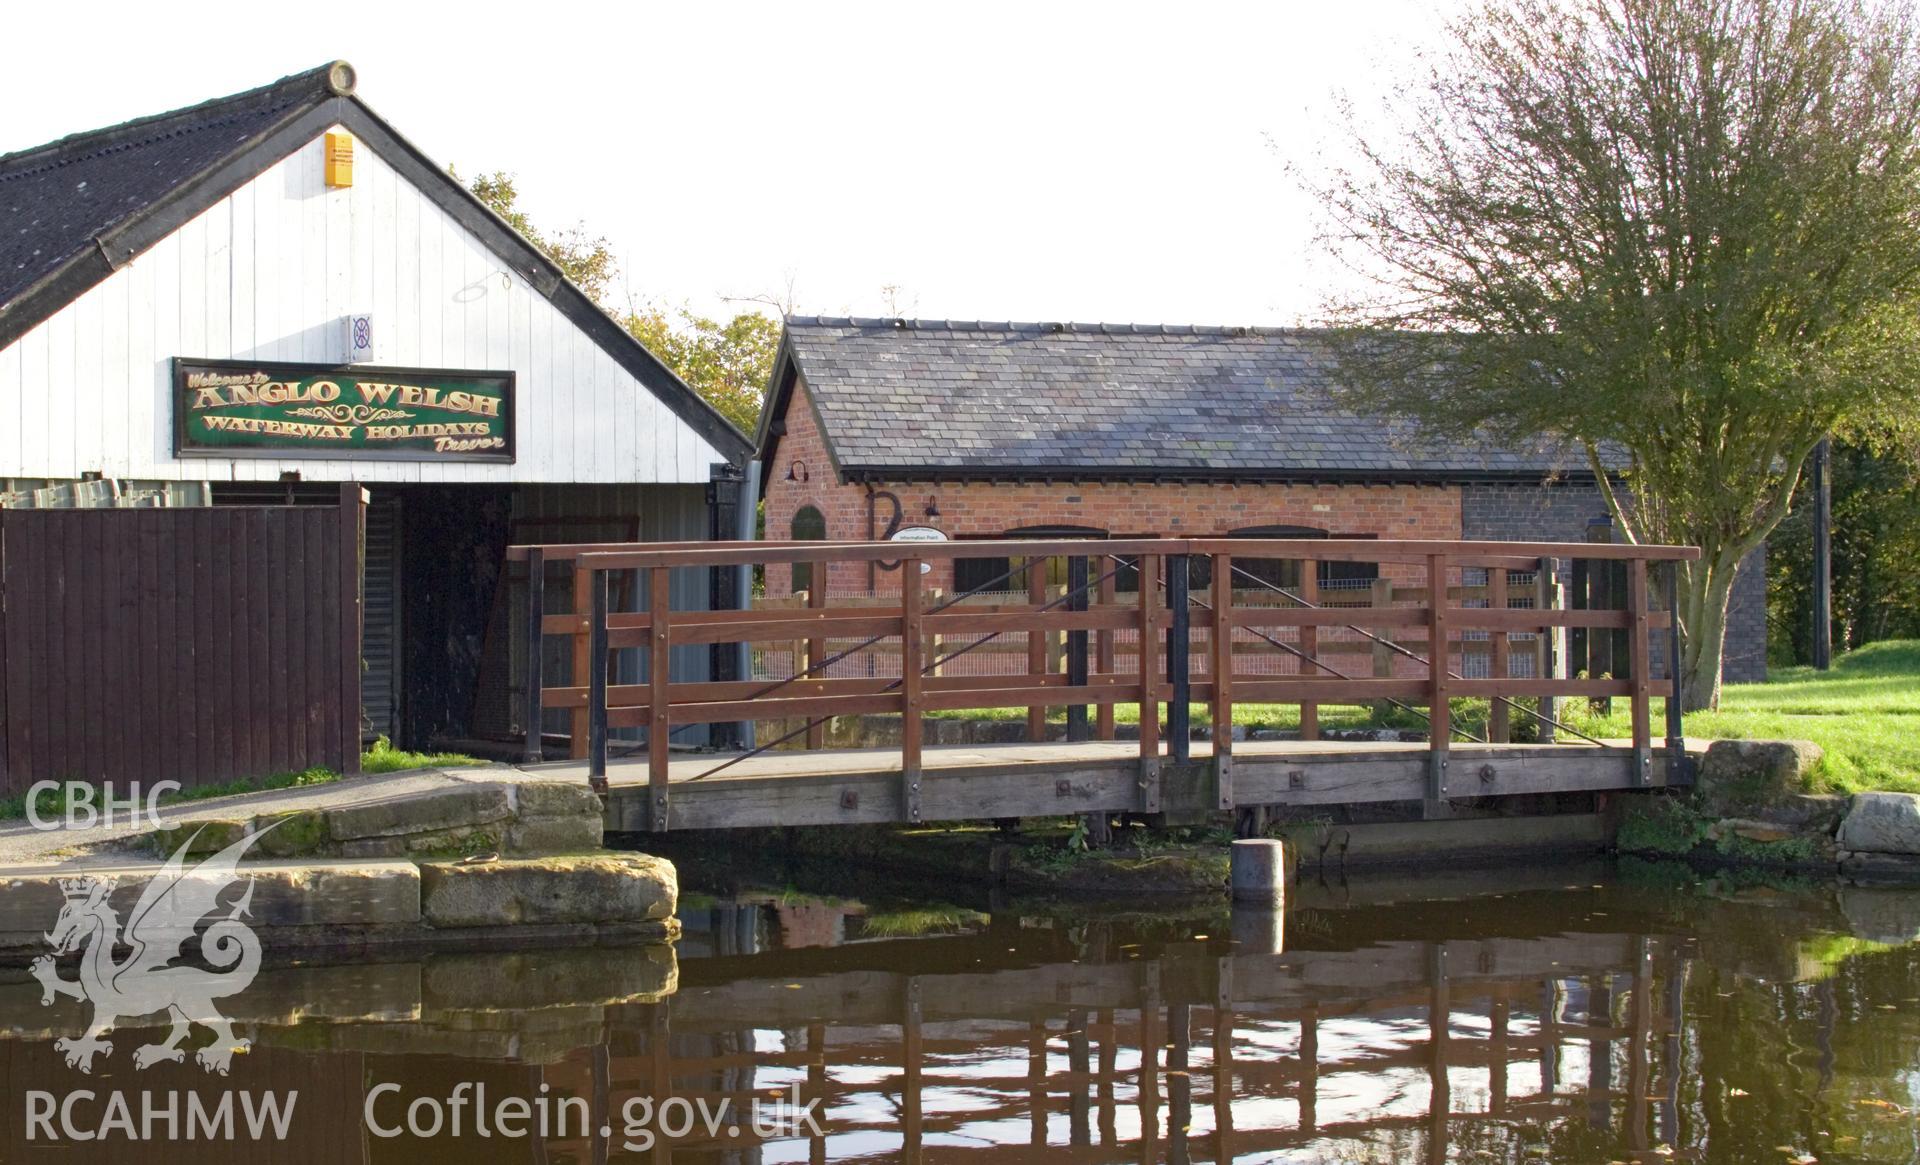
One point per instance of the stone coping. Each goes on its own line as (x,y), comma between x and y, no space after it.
(344,903)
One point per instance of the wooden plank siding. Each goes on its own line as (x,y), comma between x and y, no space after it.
(269,273)
(194,645)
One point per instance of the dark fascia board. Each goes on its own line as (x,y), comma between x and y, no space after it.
(134,235)
(574,304)
(877,474)
(119,244)
(773,401)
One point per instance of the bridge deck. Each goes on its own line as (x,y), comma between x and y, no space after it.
(960,782)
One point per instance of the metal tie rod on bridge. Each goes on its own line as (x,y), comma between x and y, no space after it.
(1327,667)
(1388,643)
(928,667)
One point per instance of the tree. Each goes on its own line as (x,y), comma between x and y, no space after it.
(726,362)
(585,258)
(1876,541)
(1681,236)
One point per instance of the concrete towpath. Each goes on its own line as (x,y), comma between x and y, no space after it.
(24,847)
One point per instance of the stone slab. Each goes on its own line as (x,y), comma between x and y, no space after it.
(601,888)
(1736,775)
(313,893)
(460,806)
(1882,823)
(555,835)
(555,798)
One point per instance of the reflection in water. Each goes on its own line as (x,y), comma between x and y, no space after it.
(1589,1023)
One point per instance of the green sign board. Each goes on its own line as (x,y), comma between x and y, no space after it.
(227,408)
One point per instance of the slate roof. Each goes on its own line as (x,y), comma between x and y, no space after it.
(74,211)
(57,198)
(929,398)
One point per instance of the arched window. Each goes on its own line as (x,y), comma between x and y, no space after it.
(809,525)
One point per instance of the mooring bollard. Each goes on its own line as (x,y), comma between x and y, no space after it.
(1259,871)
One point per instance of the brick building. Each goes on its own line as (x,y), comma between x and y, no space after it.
(986,430)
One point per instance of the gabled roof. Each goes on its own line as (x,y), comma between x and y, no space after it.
(74,211)
(923,399)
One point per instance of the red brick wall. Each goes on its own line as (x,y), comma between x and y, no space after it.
(1144,510)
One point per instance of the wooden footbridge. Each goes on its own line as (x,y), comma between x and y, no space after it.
(1160,623)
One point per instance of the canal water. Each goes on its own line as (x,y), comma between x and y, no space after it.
(1575,1015)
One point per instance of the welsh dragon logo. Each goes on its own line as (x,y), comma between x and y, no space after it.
(150,980)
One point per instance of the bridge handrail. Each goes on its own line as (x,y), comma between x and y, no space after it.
(1090,610)
(642,555)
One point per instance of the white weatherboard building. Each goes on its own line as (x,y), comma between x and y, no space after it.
(192,306)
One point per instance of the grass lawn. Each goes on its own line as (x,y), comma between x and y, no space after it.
(1865,713)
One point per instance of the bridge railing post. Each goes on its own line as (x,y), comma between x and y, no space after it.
(1103,662)
(817,647)
(1679,771)
(1380,597)
(1439,713)
(532,709)
(1639,657)
(1036,569)
(1179,660)
(580,738)
(595,659)
(659,666)
(1220,669)
(1499,715)
(911,643)
(1147,573)
(1077,645)
(1310,647)
(1545,667)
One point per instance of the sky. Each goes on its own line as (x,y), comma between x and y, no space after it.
(1107,162)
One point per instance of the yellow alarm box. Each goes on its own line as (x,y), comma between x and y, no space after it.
(339,159)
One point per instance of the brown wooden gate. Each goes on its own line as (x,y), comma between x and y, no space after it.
(192,645)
